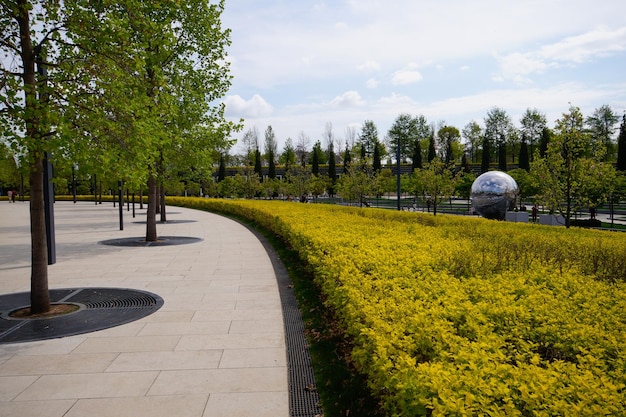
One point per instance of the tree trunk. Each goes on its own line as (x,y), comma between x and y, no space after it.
(151,232)
(39,295)
(40,298)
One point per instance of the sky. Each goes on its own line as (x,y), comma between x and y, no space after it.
(301,66)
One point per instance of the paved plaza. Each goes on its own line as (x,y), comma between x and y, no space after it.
(215,348)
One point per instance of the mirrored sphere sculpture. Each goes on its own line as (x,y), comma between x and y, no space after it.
(493,193)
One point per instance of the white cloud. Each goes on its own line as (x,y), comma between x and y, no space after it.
(348,99)
(403,77)
(475,55)
(597,43)
(236,106)
(569,51)
(371,83)
(369,66)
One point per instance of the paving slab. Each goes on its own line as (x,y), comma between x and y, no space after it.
(215,348)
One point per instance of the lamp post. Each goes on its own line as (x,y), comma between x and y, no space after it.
(398,171)
(74,169)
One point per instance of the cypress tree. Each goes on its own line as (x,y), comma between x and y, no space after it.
(257,164)
(315,162)
(271,172)
(376,164)
(465,164)
(347,159)
(221,173)
(417,155)
(543,144)
(484,166)
(621,146)
(432,152)
(502,154)
(332,170)
(524,163)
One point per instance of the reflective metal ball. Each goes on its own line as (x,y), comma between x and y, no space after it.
(493,193)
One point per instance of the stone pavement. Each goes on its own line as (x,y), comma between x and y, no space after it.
(215,348)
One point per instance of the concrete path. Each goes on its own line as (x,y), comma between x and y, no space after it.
(216,348)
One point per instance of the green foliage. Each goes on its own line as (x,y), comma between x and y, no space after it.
(437,182)
(572,176)
(354,186)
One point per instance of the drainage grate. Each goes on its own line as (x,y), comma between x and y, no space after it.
(99,309)
(141,241)
(107,298)
(304,399)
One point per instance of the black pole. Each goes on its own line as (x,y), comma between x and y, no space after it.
(48,187)
(21,187)
(120,185)
(95,190)
(74,183)
(398,172)
(133,205)
(48,201)
(127,201)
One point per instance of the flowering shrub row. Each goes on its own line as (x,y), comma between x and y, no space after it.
(463,316)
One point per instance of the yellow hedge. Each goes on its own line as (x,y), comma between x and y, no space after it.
(456,316)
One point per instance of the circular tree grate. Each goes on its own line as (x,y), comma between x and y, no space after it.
(141,242)
(100,308)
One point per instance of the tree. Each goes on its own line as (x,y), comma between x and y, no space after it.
(498,129)
(270,151)
(378,154)
(417,156)
(347,159)
(177,71)
(602,128)
(486,155)
(621,146)
(368,139)
(317,185)
(302,148)
(332,169)
(502,153)
(354,186)
(448,137)
(288,156)
(524,161)
(298,177)
(221,172)
(437,180)
(316,156)
(28,110)
(572,176)
(432,151)
(472,133)
(401,135)
(250,142)
(533,123)
(546,134)
(258,169)
(9,172)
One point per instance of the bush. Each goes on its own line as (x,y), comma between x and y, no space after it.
(464,316)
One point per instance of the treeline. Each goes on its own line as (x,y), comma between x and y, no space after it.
(576,165)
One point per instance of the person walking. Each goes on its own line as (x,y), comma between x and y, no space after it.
(10,195)
(534,212)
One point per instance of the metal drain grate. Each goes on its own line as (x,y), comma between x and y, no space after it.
(141,241)
(107,298)
(304,399)
(100,308)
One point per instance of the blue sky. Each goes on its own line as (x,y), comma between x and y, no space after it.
(298,65)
